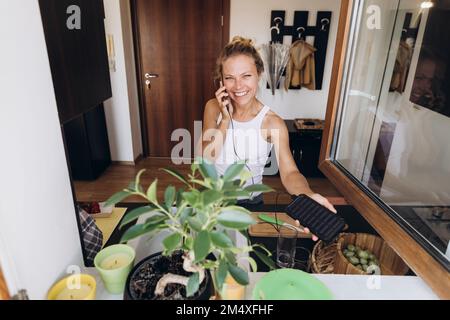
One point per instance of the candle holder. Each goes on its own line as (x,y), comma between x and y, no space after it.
(232,290)
(114,263)
(74,287)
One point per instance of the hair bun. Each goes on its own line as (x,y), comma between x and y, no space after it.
(242,40)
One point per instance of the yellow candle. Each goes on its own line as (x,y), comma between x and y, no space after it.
(74,287)
(232,290)
(115,261)
(75,294)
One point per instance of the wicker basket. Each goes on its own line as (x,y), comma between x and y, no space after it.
(390,262)
(322,257)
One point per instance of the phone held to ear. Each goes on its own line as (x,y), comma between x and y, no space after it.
(319,220)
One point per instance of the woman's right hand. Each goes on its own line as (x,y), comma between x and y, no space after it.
(226,108)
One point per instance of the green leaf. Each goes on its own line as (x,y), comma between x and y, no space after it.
(221,240)
(171,242)
(191,197)
(265,259)
(207,169)
(241,276)
(221,273)
(188,243)
(201,245)
(236,194)
(193,284)
(252,263)
(231,258)
(134,232)
(151,192)
(245,175)
(195,224)
(155,219)
(117,197)
(231,185)
(137,181)
(206,183)
(185,214)
(169,196)
(210,197)
(134,214)
(177,175)
(179,196)
(233,171)
(258,188)
(235,220)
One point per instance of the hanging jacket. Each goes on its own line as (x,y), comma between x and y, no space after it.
(300,71)
(401,68)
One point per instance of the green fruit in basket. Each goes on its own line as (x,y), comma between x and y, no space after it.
(353,260)
(363,254)
(349,254)
(359,267)
(357,248)
(365,266)
(351,247)
(373,263)
(371,256)
(363,261)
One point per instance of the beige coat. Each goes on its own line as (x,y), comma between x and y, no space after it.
(300,70)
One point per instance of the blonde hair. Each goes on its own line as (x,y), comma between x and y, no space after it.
(237,46)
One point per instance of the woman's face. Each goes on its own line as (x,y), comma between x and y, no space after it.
(240,77)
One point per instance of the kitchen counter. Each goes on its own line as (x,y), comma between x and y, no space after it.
(343,287)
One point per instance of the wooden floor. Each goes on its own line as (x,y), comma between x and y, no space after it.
(117,177)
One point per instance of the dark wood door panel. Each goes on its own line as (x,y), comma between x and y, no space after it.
(179,40)
(78,58)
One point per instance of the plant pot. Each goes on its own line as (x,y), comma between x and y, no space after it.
(141,281)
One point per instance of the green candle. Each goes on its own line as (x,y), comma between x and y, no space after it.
(114,263)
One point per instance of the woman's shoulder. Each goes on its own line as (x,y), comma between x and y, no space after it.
(212,106)
(273,121)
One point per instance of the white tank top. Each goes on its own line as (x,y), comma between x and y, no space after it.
(249,145)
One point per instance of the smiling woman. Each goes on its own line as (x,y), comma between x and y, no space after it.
(239,127)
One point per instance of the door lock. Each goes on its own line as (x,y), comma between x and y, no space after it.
(148,84)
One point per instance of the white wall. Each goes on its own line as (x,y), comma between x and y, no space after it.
(38,230)
(122,110)
(251,19)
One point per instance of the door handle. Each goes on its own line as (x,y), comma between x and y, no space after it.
(151,75)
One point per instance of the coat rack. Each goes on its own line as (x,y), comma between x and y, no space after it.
(409,32)
(301,30)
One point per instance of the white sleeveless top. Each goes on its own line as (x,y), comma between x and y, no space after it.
(249,145)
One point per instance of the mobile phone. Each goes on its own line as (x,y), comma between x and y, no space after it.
(319,220)
(224,98)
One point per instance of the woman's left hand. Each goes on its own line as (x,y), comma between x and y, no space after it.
(324,202)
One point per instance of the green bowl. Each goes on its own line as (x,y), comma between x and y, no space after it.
(290,284)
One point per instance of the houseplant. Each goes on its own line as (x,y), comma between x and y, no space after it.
(199,217)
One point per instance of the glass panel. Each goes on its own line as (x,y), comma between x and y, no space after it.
(394,125)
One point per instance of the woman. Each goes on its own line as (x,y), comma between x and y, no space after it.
(235,115)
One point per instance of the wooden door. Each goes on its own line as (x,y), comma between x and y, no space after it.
(178,40)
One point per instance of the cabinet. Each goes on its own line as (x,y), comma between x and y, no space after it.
(305,146)
(87,144)
(80,72)
(78,57)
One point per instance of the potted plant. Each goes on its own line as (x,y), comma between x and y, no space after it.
(199,218)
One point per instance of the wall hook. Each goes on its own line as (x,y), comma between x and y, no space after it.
(278,20)
(324,23)
(276,28)
(300,31)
